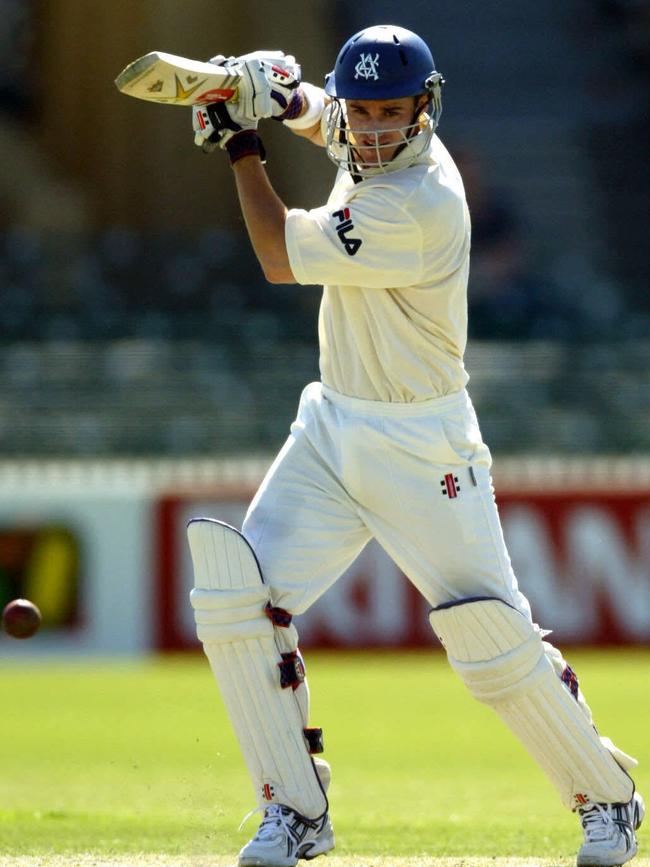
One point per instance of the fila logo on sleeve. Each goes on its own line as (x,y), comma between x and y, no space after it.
(344,226)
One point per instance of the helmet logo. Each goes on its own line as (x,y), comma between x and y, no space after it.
(367,67)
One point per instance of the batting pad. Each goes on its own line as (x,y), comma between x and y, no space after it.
(240,643)
(503,661)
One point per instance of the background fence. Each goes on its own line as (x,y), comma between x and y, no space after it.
(135,322)
(101,548)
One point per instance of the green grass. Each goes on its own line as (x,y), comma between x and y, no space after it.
(112,758)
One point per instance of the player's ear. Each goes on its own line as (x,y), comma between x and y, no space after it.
(420,103)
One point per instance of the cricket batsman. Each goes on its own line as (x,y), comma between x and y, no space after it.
(386,445)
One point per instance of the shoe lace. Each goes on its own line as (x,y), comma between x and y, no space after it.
(273,817)
(596,822)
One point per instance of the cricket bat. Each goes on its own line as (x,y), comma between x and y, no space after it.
(174,80)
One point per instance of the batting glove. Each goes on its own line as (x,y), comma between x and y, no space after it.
(269,80)
(215,124)
(220,125)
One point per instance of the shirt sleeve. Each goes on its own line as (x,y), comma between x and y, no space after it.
(371,242)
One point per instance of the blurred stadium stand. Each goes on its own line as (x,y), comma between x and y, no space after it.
(143,335)
(127,344)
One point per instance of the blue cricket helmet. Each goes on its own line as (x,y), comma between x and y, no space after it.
(381,62)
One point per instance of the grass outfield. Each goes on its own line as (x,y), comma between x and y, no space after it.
(331,861)
(136,764)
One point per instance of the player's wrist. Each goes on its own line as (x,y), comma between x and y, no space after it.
(246,143)
(308,108)
(295,108)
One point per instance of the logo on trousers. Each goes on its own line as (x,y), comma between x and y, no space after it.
(450,486)
(344,226)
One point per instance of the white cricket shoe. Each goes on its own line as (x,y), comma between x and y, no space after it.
(284,837)
(609,833)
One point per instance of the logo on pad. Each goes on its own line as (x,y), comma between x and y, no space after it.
(344,227)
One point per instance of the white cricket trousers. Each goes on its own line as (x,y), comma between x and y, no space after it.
(415,476)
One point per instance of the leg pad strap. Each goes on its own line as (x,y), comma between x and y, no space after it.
(292,670)
(314,738)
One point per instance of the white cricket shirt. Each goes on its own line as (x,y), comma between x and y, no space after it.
(393,254)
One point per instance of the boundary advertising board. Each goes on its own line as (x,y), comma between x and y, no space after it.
(101,546)
(581,556)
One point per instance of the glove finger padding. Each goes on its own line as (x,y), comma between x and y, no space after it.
(267,83)
(215,124)
(284,81)
(268,79)
(206,135)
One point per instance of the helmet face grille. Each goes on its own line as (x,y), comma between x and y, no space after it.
(379,63)
(408,143)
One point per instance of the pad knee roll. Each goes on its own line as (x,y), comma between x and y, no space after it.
(229,595)
(230,615)
(504,662)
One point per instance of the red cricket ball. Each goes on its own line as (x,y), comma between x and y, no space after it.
(21,618)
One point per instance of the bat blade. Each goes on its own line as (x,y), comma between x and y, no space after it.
(174,80)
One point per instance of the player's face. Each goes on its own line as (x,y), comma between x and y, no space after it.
(379,126)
